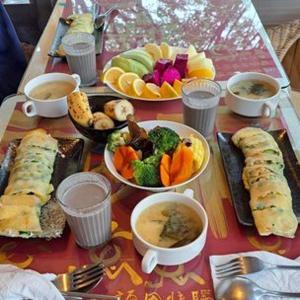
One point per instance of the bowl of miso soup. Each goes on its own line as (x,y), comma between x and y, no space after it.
(46,95)
(168,229)
(253,94)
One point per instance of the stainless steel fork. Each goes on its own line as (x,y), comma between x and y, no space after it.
(246,265)
(80,279)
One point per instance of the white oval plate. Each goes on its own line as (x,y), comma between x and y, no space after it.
(183,131)
(176,50)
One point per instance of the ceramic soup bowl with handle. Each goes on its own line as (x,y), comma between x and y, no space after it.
(265,107)
(52,108)
(154,255)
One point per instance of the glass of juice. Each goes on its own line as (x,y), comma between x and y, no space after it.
(200,99)
(81,56)
(86,201)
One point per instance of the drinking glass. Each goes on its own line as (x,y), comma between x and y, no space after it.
(88,213)
(200,99)
(81,56)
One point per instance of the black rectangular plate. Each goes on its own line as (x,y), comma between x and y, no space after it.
(61,30)
(67,162)
(233,161)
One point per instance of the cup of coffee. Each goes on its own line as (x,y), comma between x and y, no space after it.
(47,94)
(200,99)
(85,198)
(81,56)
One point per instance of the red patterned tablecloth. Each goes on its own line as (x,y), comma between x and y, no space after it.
(123,273)
(228,31)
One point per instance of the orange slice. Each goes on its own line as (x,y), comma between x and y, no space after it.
(167,91)
(112,75)
(203,73)
(125,81)
(151,90)
(138,86)
(177,85)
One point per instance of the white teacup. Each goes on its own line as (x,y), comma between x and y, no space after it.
(252,107)
(52,108)
(153,255)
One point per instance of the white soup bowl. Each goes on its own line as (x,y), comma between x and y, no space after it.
(153,255)
(252,107)
(52,108)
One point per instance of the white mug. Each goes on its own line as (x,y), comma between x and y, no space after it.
(249,107)
(153,255)
(53,108)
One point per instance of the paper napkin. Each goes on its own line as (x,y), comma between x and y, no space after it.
(281,280)
(18,284)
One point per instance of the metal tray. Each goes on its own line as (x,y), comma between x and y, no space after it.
(233,161)
(67,162)
(61,30)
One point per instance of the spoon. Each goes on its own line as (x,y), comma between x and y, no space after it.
(100,20)
(242,288)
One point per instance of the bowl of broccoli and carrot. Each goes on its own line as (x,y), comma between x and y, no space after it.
(156,155)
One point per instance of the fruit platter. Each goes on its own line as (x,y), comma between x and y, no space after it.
(150,155)
(156,72)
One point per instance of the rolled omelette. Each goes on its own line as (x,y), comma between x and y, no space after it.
(79,23)
(270,195)
(29,184)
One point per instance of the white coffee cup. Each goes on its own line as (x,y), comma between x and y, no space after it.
(252,107)
(52,108)
(153,255)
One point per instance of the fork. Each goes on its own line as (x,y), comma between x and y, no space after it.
(80,278)
(246,265)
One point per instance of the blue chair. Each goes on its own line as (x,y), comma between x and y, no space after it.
(12,59)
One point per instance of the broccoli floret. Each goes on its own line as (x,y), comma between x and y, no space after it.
(146,172)
(163,138)
(116,139)
(153,159)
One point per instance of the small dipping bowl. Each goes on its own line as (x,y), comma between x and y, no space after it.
(265,107)
(98,135)
(154,255)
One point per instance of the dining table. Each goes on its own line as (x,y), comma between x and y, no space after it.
(232,35)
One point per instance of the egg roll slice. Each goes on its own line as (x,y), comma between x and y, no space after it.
(271,200)
(275,220)
(262,189)
(260,173)
(39,188)
(35,153)
(32,167)
(20,199)
(257,139)
(261,148)
(37,177)
(244,134)
(265,159)
(39,138)
(81,23)
(16,218)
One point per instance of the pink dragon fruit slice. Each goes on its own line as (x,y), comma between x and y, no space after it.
(170,74)
(162,64)
(180,64)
